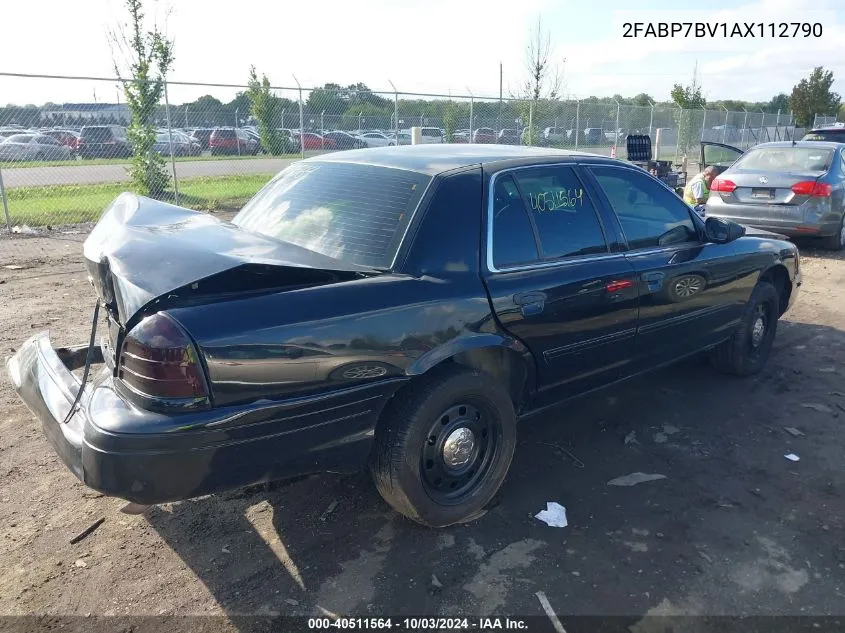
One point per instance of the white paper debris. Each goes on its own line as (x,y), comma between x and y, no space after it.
(554,515)
(792,457)
(23,229)
(635,478)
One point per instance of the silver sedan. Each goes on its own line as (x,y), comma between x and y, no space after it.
(32,147)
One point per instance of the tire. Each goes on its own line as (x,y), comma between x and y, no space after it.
(836,242)
(744,354)
(409,464)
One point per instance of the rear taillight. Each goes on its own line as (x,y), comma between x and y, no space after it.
(723,186)
(158,360)
(812,188)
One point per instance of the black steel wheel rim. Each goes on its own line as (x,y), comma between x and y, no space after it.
(453,468)
(759,330)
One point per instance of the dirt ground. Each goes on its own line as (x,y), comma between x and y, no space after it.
(734,528)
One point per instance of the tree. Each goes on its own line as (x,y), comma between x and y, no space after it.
(450,121)
(812,96)
(690,100)
(267,111)
(643,100)
(148,55)
(542,83)
(778,102)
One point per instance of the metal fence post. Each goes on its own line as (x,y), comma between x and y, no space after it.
(395,110)
(577,121)
(322,131)
(170,143)
(283,118)
(301,120)
(651,122)
(360,128)
(703,121)
(471,104)
(744,127)
(681,112)
(725,129)
(5,203)
(531,123)
(237,138)
(616,130)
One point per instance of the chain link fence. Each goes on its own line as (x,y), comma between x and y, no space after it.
(821,120)
(62,163)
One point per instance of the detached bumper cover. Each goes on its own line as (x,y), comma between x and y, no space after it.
(149,457)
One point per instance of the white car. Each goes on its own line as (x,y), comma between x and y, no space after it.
(375,139)
(431,135)
(33,147)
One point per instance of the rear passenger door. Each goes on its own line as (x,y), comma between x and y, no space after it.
(554,283)
(691,293)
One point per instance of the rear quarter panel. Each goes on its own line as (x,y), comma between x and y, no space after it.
(398,324)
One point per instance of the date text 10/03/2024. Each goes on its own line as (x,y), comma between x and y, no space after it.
(420,624)
(758,30)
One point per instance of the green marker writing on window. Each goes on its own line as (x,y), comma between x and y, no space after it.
(556,200)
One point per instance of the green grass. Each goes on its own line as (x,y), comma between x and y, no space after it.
(125,161)
(70,204)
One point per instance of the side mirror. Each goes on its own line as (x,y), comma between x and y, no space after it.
(721,231)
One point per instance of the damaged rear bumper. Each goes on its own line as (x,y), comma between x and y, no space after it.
(149,457)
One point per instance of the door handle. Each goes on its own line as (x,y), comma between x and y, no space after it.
(530,303)
(523,298)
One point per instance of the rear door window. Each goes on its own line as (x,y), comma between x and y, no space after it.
(564,216)
(513,236)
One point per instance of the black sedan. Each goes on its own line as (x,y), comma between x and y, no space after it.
(398,309)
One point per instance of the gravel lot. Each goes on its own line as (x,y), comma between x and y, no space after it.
(734,528)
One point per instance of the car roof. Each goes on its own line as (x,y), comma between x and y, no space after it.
(807,144)
(433,159)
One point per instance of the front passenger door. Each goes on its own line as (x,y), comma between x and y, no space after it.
(691,292)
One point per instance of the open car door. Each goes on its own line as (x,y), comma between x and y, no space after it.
(718,155)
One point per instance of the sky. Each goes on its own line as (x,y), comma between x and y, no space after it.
(433,46)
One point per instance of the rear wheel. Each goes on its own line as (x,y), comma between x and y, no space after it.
(443,447)
(836,242)
(747,351)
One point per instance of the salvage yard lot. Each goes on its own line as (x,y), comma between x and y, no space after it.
(734,528)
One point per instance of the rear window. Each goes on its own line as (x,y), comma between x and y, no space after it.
(785,159)
(429,131)
(223,133)
(97,134)
(357,214)
(835,136)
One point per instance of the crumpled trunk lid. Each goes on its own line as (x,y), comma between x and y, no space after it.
(143,252)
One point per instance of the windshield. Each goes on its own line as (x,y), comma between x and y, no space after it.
(355,213)
(785,159)
(836,136)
